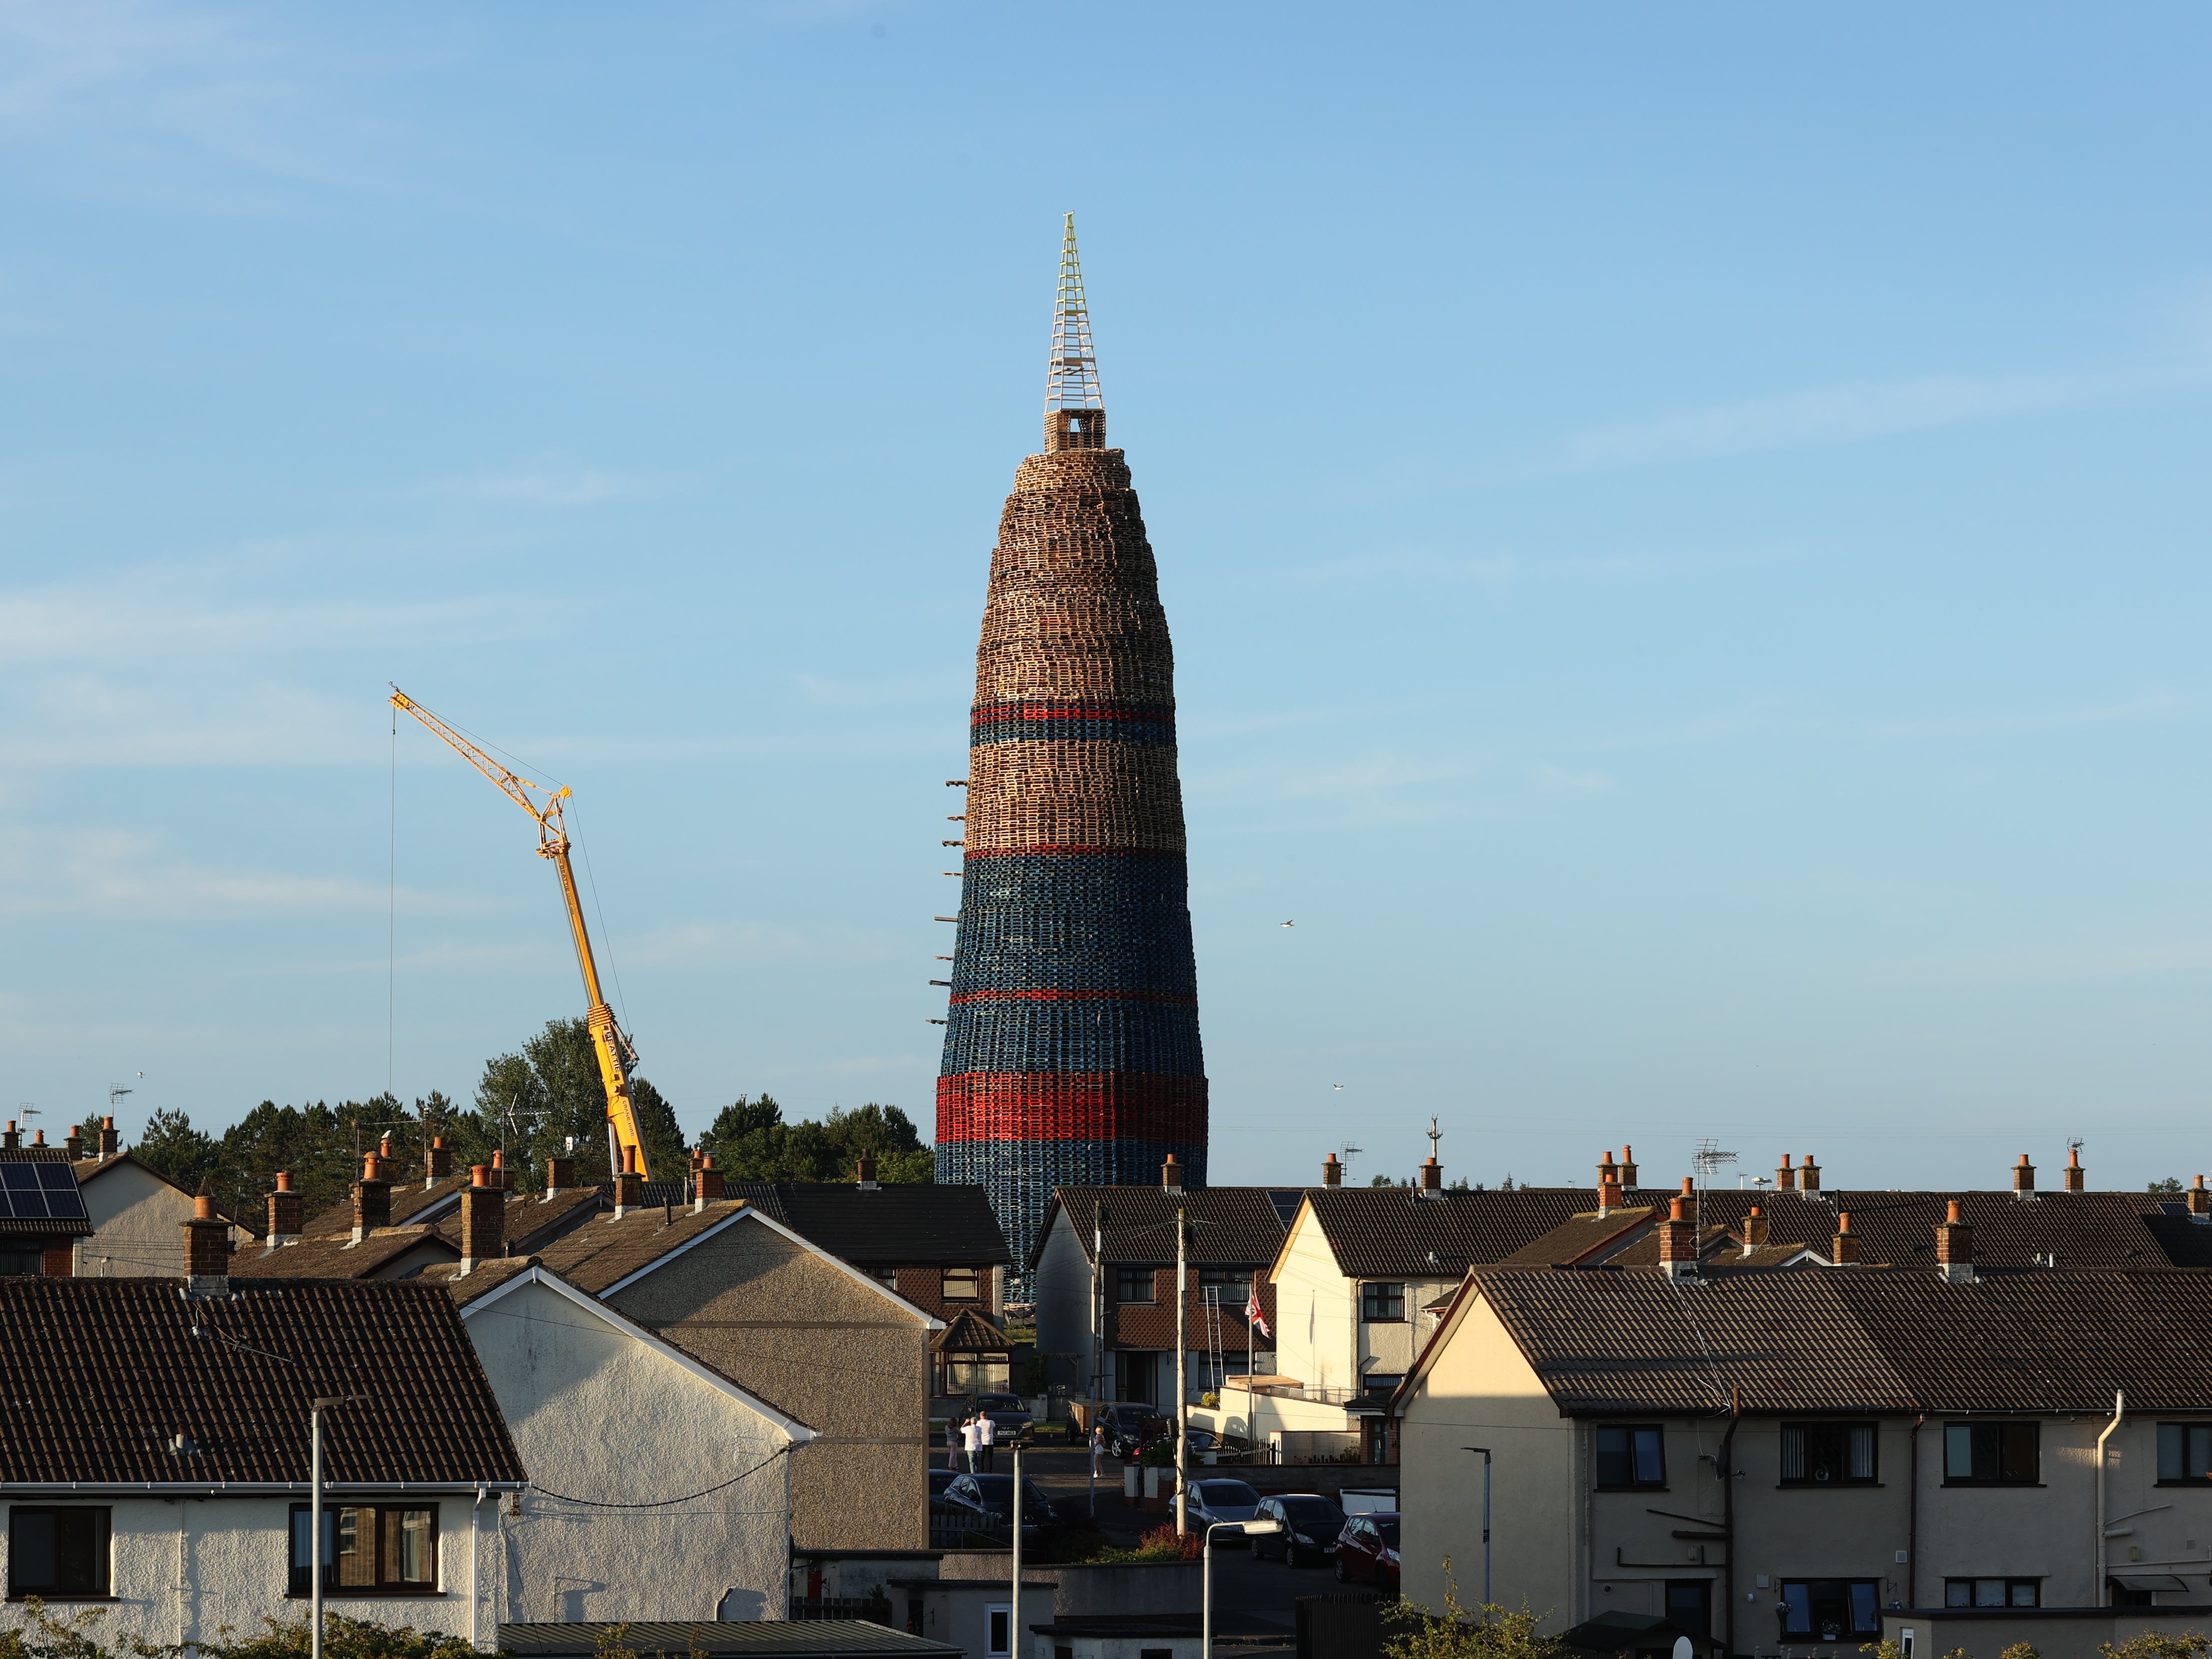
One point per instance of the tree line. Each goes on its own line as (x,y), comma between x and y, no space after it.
(541,1102)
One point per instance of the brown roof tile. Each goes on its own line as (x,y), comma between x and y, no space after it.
(410,1199)
(100,1373)
(1609,1339)
(1230,1226)
(338,1258)
(603,1250)
(905,1225)
(1582,1236)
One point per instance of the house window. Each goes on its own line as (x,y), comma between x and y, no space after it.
(1827,1454)
(1133,1283)
(1377,1386)
(369,1549)
(22,1255)
(1992,1592)
(2185,1452)
(1230,1286)
(1630,1454)
(1991,1454)
(1000,1619)
(1382,1304)
(57,1552)
(1829,1609)
(961,1283)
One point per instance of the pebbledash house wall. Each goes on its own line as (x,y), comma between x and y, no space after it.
(182,1568)
(844,1356)
(136,1215)
(1572,1551)
(600,1417)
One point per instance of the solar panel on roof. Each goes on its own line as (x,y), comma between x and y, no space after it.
(62,1199)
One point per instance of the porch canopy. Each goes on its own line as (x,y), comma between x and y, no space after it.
(971,1355)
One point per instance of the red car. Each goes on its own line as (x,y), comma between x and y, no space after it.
(1367,1549)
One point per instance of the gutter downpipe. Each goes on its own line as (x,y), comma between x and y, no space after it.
(2119,1412)
(1912,1515)
(1728,1504)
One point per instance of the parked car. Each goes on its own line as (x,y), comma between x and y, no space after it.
(1226,1448)
(940,1482)
(1310,1525)
(1014,1423)
(1131,1427)
(1367,1549)
(1213,1501)
(987,1500)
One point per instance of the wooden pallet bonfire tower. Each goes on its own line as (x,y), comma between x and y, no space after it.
(1071,1052)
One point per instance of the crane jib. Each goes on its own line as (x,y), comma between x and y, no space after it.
(615,1054)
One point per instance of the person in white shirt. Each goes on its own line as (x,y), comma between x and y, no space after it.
(971,1439)
(989,1429)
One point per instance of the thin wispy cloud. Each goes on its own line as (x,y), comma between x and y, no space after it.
(550,486)
(125,872)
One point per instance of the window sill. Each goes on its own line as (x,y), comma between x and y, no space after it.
(1829,1485)
(2203,1482)
(1999,1486)
(1630,1489)
(422,1593)
(52,1597)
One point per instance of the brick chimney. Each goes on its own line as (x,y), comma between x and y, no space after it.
(206,1249)
(2023,1178)
(39,1139)
(1433,1178)
(1785,1178)
(383,1158)
(372,1199)
(287,1211)
(629,1185)
(1954,1246)
(709,1183)
(1808,1176)
(865,1170)
(437,1162)
(110,1142)
(502,1176)
(1628,1166)
(1678,1242)
(2200,1202)
(560,1174)
(74,1144)
(1332,1172)
(2074,1175)
(1754,1229)
(1608,1184)
(484,1219)
(1171,1174)
(1846,1245)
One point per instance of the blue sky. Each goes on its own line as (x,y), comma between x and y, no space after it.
(1683,530)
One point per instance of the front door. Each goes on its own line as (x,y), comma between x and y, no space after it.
(1690,1605)
(1138,1375)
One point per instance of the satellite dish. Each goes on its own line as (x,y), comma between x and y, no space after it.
(1683,1649)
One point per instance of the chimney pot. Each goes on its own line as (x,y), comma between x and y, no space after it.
(2074,1174)
(1332,1172)
(1754,1229)
(1608,1171)
(2200,1202)
(372,1199)
(1678,1243)
(502,1176)
(2023,1178)
(207,1248)
(1846,1247)
(710,1182)
(39,1140)
(110,1142)
(1689,1187)
(1171,1174)
(629,1185)
(1785,1178)
(13,1138)
(437,1162)
(1627,1166)
(1808,1176)
(74,1144)
(1432,1176)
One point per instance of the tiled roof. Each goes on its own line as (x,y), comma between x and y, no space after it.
(1230,1226)
(969,1332)
(533,1219)
(1386,1232)
(100,1374)
(410,1199)
(486,1276)
(903,1224)
(1609,1339)
(603,1250)
(1381,1231)
(338,1258)
(1581,1237)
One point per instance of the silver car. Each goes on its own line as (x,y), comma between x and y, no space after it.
(1212,1501)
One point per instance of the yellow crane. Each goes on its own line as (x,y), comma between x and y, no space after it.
(616,1054)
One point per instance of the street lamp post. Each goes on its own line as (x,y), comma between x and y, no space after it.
(1484,1450)
(1014,1643)
(315,1410)
(1250,1529)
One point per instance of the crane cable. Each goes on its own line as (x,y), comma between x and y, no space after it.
(391,919)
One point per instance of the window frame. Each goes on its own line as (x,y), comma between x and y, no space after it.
(1632,1451)
(1843,1427)
(103,1553)
(1871,1586)
(997,1620)
(2180,1435)
(2000,1430)
(2011,1583)
(974,1276)
(1125,1277)
(384,1587)
(1371,1296)
(1214,1278)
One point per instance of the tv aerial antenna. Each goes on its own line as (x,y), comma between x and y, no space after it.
(1709,1160)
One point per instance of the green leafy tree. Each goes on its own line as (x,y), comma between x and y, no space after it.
(752,1142)
(2171,1184)
(342,1638)
(1488,1631)
(179,1151)
(551,1092)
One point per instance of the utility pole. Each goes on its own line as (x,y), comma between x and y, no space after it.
(1098,1335)
(1183,1362)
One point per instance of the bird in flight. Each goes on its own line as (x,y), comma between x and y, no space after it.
(1290,924)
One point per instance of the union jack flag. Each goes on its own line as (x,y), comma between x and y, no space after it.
(1252,1314)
